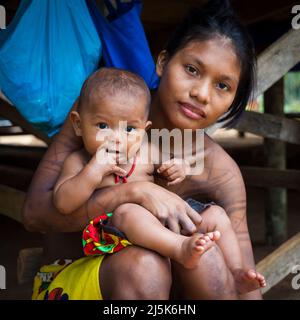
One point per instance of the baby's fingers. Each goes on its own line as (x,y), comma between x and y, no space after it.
(164,167)
(117,170)
(176,181)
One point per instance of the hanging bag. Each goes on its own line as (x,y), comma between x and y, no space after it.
(46,53)
(123,38)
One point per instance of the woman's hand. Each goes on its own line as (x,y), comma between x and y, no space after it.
(169,208)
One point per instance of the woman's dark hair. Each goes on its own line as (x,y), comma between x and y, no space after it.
(214,20)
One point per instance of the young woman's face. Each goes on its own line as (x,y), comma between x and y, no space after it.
(198,84)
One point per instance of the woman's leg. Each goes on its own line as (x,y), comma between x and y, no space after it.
(143,229)
(135,273)
(211,280)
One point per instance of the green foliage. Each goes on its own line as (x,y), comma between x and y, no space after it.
(292,92)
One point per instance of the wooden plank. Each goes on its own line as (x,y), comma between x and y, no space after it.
(28,264)
(277,60)
(266,177)
(277,265)
(11,202)
(15,177)
(262,10)
(275,157)
(167,12)
(270,126)
(11,113)
(12,130)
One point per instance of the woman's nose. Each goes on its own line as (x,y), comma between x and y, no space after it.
(201,92)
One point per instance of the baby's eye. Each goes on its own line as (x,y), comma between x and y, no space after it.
(192,70)
(130,129)
(102,125)
(223,86)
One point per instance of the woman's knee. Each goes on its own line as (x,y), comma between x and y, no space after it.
(137,273)
(214,217)
(154,272)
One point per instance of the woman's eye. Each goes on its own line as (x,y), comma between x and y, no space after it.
(102,125)
(130,129)
(222,86)
(192,70)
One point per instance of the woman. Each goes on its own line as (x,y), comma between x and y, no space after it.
(206,73)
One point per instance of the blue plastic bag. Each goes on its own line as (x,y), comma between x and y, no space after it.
(123,38)
(46,53)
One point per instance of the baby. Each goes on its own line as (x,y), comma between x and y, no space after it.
(112,119)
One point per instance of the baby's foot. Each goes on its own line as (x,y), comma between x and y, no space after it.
(249,280)
(193,247)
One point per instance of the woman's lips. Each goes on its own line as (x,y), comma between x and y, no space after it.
(192,112)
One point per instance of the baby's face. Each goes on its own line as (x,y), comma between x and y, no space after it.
(116,125)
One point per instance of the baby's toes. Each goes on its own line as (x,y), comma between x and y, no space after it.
(261,280)
(207,238)
(201,242)
(216,235)
(251,274)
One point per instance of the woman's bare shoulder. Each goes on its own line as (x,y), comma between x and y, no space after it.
(216,154)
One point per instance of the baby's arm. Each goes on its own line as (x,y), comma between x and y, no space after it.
(77,181)
(174,170)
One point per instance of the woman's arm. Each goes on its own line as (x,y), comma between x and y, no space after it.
(223,183)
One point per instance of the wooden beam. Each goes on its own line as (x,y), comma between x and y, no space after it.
(21,156)
(262,10)
(12,130)
(266,177)
(167,12)
(15,177)
(277,60)
(277,265)
(28,264)
(275,157)
(11,113)
(11,202)
(270,126)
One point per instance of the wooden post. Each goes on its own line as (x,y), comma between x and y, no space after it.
(275,157)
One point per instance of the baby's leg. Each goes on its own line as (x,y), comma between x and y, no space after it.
(215,218)
(143,229)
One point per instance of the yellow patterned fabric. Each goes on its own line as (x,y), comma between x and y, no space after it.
(66,280)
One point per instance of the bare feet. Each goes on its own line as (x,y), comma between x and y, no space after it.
(249,280)
(193,247)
